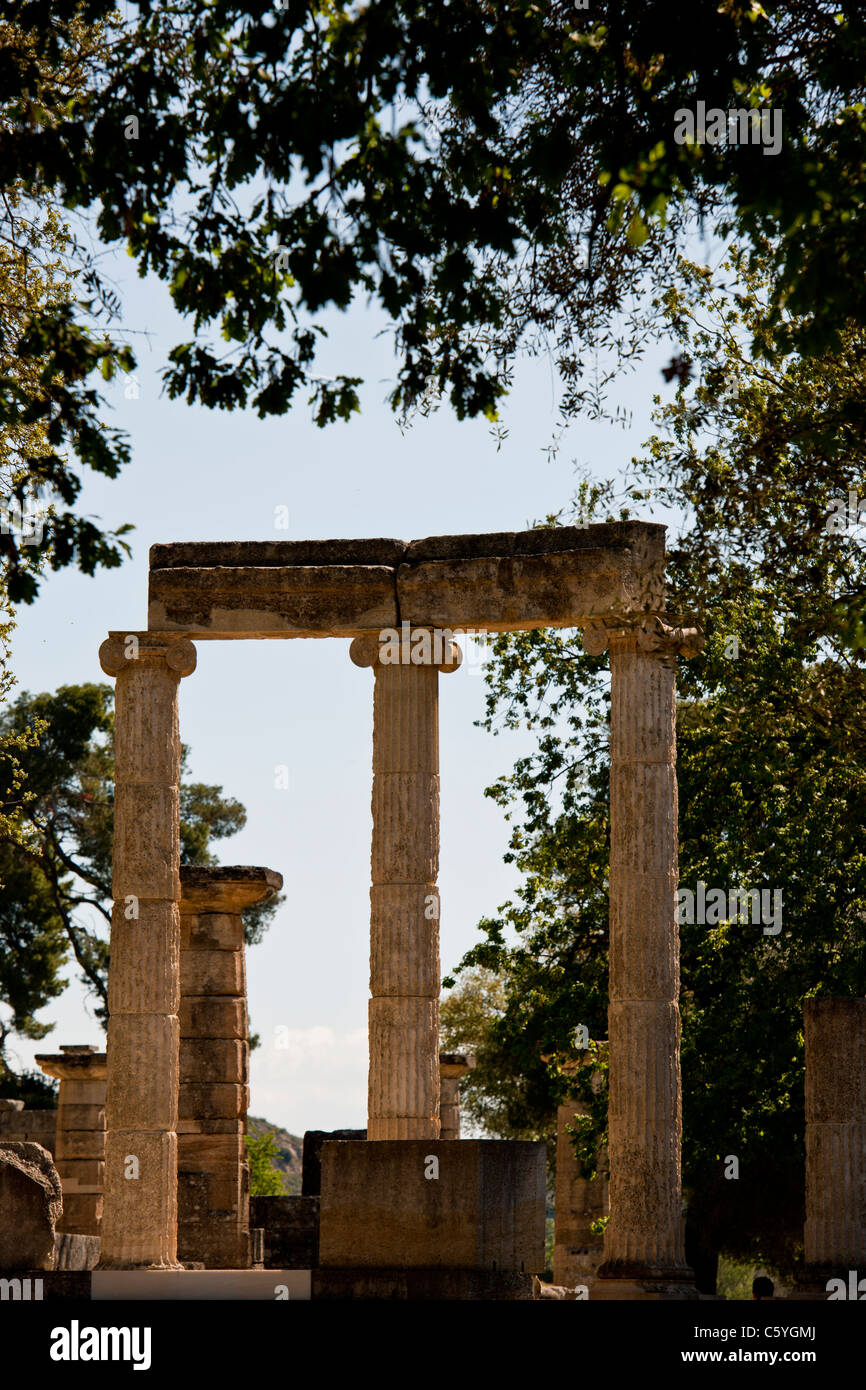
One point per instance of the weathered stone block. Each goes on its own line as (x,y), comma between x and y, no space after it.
(209,1060)
(212,1102)
(291,1230)
(212,972)
(209,1153)
(311,1159)
(464,1204)
(80,1143)
(81,1116)
(30,1206)
(204,1017)
(505,594)
(210,931)
(265,601)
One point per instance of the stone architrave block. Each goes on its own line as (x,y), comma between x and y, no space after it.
(546,577)
(432,1203)
(296,601)
(30,1207)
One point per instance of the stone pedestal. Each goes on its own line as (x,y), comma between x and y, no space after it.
(835,1230)
(433,1204)
(403,1086)
(213,1169)
(644,1239)
(139,1227)
(79,1153)
(452,1066)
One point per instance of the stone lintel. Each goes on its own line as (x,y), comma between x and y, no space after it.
(545,577)
(273,601)
(221,888)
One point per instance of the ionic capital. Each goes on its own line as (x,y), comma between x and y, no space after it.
(652,634)
(120,649)
(408,646)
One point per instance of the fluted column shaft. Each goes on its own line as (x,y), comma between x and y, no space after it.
(835,1231)
(403,1080)
(645,1235)
(139,1228)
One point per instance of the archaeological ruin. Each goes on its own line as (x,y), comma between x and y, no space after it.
(149,1137)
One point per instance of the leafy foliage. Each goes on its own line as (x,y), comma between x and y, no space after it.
(772,772)
(494,177)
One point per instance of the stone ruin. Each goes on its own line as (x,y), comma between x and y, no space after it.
(409,1210)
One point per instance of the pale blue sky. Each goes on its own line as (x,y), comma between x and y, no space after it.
(199,475)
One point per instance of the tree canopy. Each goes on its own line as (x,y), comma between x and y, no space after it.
(490,175)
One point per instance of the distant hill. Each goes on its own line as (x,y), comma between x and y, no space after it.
(290,1152)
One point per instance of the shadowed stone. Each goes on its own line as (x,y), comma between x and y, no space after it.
(30,1206)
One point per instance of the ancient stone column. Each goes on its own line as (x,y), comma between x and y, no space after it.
(577,1249)
(835,1231)
(79,1153)
(644,1239)
(403,1085)
(213,1168)
(452,1066)
(139,1227)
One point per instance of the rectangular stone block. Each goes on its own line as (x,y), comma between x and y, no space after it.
(210,931)
(311,1160)
(211,1126)
(211,1153)
(218,1245)
(81,1116)
(268,601)
(510,593)
(212,1060)
(197,1102)
(384,1206)
(202,1016)
(291,1227)
(81,1172)
(80,1143)
(212,972)
(82,1213)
